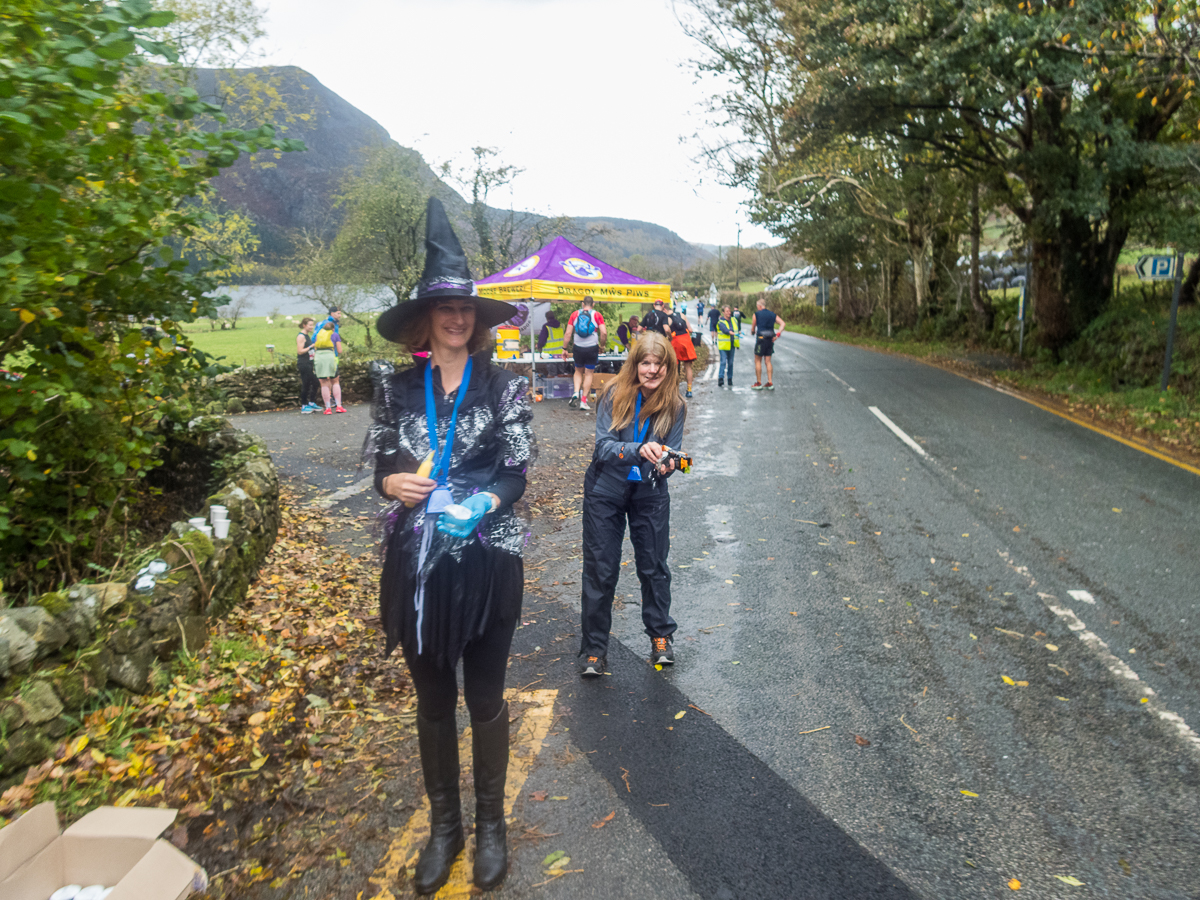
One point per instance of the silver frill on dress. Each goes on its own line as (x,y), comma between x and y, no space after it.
(404,435)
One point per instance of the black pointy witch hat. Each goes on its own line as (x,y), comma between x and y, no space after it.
(446,275)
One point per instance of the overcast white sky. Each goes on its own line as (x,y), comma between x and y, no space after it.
(590,97)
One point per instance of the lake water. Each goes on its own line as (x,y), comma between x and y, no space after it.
(302,300)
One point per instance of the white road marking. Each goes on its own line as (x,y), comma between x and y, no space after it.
(894,428)
(842,383)
(345,493)
(1082,597)
(1115,665)
(1121,669)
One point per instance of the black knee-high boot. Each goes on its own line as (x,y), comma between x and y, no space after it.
(490,745)
(439,763)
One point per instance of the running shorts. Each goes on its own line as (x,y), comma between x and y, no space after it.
(684,350)
(586,357)
(764,345)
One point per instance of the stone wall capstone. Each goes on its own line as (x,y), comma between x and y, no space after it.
(59,652)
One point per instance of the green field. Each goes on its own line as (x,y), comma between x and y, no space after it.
(246,345)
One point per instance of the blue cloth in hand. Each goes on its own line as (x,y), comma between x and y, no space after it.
(479,505)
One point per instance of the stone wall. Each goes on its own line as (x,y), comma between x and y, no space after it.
(278,387)
(60,651)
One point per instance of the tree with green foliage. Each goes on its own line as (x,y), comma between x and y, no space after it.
(96,173)
(1072,116)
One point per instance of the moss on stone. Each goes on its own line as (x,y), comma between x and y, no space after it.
(199,544)
(55,603)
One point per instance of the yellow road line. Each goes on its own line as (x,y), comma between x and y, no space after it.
(1104,431)
(407,845)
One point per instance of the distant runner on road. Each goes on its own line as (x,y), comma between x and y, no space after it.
(714,316)
(586,332)
(766,326)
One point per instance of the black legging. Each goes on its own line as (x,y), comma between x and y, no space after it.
(310,387)
(485,663)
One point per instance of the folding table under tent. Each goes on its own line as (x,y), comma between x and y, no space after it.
(562,272)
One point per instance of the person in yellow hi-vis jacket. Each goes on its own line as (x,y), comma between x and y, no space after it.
(728,340)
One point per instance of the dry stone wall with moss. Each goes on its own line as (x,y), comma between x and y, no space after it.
(257,388)
(58,653)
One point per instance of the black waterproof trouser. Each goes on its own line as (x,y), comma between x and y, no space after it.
(605,512)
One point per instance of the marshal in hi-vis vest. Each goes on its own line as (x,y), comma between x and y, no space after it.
(728,337)
(554,339)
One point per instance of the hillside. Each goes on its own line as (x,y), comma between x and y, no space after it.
(296,192)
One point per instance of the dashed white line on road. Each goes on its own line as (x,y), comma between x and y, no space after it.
(345,493)
(1121,669)
(1082,597)
(842,383)
(894,428)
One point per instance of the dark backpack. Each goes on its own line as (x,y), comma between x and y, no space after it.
(585,324)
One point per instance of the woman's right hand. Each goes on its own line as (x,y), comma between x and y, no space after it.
(408,487)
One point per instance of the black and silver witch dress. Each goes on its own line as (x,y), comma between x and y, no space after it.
(471,584)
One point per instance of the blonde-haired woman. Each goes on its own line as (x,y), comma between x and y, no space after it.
(639,415)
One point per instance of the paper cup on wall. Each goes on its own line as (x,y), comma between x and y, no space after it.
(206,530)
(198,522)
(220,528)
(216,513)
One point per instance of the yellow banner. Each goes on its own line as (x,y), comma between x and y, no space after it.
(537,289)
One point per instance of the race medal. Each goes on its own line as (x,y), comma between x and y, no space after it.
(439,500)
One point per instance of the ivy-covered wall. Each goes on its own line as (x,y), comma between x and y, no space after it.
(59,652)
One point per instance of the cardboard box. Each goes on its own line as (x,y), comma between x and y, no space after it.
(600,379)
(115,847)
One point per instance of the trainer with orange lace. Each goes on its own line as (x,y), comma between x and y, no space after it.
(661,652)
(593,666)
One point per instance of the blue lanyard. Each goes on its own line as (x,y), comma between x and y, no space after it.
(441,469)
(639,435)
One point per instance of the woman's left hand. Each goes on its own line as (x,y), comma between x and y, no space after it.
(653,451)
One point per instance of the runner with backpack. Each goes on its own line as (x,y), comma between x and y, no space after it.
(586,333)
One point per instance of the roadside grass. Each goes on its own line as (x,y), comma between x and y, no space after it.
(1170,418)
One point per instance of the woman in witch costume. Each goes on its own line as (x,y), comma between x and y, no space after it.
(450,442)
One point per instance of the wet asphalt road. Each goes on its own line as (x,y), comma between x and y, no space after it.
(852,613)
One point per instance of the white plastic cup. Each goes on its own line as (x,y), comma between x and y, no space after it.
(218,512)
(220,528)
(198,522)
(206,530)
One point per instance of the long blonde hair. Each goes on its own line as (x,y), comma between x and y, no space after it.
(665,404)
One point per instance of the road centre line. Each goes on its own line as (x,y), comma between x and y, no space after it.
(1082,596)
(344,493)
(895,429)
(839,381)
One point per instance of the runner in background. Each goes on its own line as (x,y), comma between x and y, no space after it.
(310,387)
(714,315)
(766,325)
(685,352)
(657,320)
(586,333)
(328,348)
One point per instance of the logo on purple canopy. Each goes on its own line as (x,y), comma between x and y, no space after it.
(581,268)
(522,316)
(522,267)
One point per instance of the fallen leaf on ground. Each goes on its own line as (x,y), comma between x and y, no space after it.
(1014,884)
(1008,680)
(681,714)
(1070,879)
(861,741)
(600,823)
(538,796)
(554,857)
(968,793)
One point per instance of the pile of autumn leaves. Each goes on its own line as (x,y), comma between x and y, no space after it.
(289,692)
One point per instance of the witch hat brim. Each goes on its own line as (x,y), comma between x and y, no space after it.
(446,275)
(392,323)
